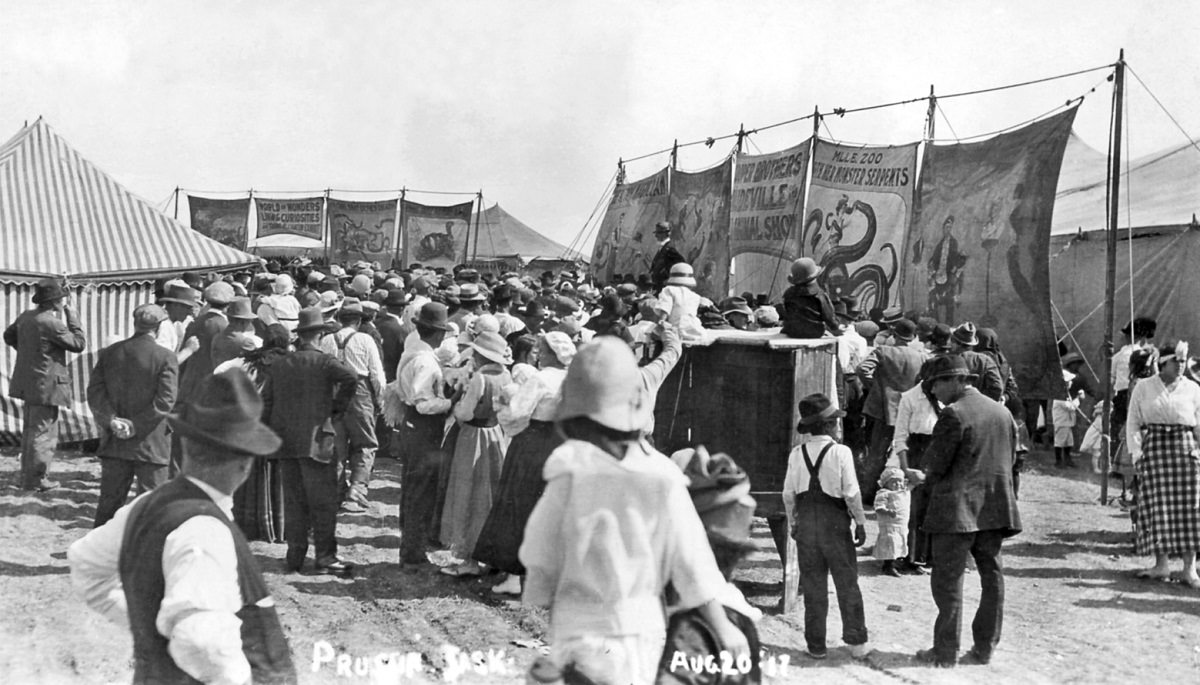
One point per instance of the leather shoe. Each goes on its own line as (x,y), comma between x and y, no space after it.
(337,567)
(41,485)
(294,561)
(975,658)
(927,656)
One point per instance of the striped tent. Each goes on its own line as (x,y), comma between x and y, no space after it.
(61,215)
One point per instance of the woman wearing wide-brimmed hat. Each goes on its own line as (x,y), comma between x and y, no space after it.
(478,453)
(1163,433)
(528,419)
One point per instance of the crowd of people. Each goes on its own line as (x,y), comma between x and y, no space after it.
(521,409)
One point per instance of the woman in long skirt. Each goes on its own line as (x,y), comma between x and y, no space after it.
(478,453)
(1162,427)
(528,419)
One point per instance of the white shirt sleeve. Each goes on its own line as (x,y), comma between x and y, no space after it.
(791,486)
(200,601)
(464,411)
(95,569)
(515,416)
(904,414)
(1134,420)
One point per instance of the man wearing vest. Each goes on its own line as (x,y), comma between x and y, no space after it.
(355,430)
(173,567)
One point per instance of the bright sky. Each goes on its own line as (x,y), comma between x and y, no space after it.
(535,101)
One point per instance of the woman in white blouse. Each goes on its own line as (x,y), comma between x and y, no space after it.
(916,416)
(1163,434)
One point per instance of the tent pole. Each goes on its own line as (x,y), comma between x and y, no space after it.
(1110,276)
(675,155)
(929,118)
(177,203)
(326,229)
(475,253)
(402,243)
(741,137)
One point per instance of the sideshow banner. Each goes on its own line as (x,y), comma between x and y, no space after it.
(766,213)
(297,217)
(436,234)
(362,230)
(979,247)
(222,220)
(699,216)
(625,240)
(858,212)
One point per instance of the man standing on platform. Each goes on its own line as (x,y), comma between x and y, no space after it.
(40,376)
(666,257)
(131,391)
(174,569)
(307,392)
(972,508)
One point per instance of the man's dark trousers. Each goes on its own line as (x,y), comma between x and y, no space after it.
(421,442)
(116,475)
(949,563)
(310,500)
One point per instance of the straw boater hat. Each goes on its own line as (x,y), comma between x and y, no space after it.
(603,384)
(227,416)
(804,270)
(491,346)
(681,274)
(469,292)
(816,409)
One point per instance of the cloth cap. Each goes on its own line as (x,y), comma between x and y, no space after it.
(817,408)
(147,317)
(682,274)
(804,270)
(565,306)
(867,329)
(603,384)
(767,316)
(720,492)
(226,415)
(219,293)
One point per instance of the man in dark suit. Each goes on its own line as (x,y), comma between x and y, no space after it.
(131,390)
(40,376)
(886,373)
(391,329)
(306,390)
(985,369)
(666,257)
(200,365)
(972,508)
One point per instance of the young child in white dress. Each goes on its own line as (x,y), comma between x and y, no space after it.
(679,304)
(891,513)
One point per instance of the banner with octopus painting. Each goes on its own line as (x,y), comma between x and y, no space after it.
(979,246)
(698,210)
(362,230)
(625,240)
(858,212)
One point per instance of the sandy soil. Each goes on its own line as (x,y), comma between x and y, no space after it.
(1074,611)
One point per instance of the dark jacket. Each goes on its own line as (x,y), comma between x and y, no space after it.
(392,333)
(40,374)
(886,373)
(135,379)
(200,365)
(660,266)
(303,392)
(968,468)
(989,381)
(807,313)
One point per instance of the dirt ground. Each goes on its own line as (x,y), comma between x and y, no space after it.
(1074,611)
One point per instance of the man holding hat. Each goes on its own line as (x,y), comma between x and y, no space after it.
(42,337)
(886,373)
(174,569)
(666,257)
(308,390)
(131,391)
(968,468)
(355,430)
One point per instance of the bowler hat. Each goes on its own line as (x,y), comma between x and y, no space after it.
(181,294)
(804,270)
(817,409)
(48,290)
(396,298)
(227,415)
(492,346)
(603,384)
(311,319)
(433,315)
(682,274)
(966,334)
(946,366)
(904,329)
(940,337)
(147,317)
(239,308)
(720,492)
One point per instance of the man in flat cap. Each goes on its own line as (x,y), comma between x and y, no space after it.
(131,391)
(666,257)
(176,571)
(42,337)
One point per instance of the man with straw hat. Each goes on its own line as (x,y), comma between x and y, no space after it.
(174,569)
(972,509)
(307,389)
(131,390)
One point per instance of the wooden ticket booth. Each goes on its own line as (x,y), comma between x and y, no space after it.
(740,396)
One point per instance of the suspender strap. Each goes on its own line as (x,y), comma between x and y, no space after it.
(814,481)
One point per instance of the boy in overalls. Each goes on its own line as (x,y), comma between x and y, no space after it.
(821,496)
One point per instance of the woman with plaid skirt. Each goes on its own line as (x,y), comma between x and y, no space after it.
(1162,430)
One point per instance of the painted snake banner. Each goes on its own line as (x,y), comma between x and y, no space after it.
(222,220)
(979,246)
(858,212)
(362,230)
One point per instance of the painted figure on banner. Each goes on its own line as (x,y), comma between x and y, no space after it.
(437,245)
(944,269)
(824,235)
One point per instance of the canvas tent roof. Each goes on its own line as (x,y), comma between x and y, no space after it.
(503,235)
(62,215)
(1163,189)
